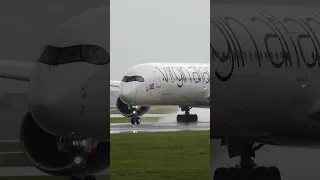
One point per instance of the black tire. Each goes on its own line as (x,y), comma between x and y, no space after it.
(180,118)
(261,173)
(220,174)
(74,178)
(90,177)
(193,118)
(133,121)
(274,173)
(138,120)
(233,173)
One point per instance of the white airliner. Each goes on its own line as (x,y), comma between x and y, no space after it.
(150,84)
(265,63)
(64,58)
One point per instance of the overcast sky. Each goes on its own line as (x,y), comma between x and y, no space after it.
(158,31)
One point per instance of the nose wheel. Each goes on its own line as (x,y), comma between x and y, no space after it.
(135,120)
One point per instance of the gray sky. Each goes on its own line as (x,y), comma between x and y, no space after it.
(158,31)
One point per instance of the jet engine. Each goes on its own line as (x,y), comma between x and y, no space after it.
(41,149)
(127,110)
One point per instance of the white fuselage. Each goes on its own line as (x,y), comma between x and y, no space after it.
(167,84)
(266,73)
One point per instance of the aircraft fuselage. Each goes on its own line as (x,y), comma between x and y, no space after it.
(167,84)
(266,68)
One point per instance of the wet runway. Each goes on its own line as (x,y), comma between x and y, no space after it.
(157,127)
(293,163)
(146,115)
(166,123)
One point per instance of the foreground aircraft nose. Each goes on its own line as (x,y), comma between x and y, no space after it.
(47,115)
(127,94)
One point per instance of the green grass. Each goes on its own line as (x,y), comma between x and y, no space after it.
(167,155)
(33,178)
(127,119)
(152,110)
(143,156)
(14,160)
(9,146)
(104,177)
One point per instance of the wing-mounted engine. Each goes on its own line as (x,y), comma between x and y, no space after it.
(127,110)
(43,151)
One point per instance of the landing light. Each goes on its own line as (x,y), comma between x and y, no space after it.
(77,160)
(84,142)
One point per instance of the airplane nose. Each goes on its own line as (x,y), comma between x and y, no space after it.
(127,94)
(47,114)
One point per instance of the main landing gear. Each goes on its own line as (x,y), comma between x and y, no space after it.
(247,169)
(187,117)
(135,119)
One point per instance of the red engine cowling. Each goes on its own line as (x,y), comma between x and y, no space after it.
(127,110)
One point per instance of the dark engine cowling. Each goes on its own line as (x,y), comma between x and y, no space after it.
(41,150)
(127,111)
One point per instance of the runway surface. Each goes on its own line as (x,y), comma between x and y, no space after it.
(166,123)
(293,163)
(157,127)
(146,115)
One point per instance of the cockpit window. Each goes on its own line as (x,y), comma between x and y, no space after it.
(78,53)
(132,78)
(70,54)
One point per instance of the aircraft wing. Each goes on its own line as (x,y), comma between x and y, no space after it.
(21,71)
(16,70)
(114,83)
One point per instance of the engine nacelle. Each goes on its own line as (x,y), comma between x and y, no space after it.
(127,111)
(42,151)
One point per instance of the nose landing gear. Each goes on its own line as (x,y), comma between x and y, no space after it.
(82,148)
(135,119)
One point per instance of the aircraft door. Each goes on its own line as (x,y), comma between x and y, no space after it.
(157,79)
(302,76)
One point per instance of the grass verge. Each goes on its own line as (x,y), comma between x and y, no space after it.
(167,155)
(104,177)
(142,156)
